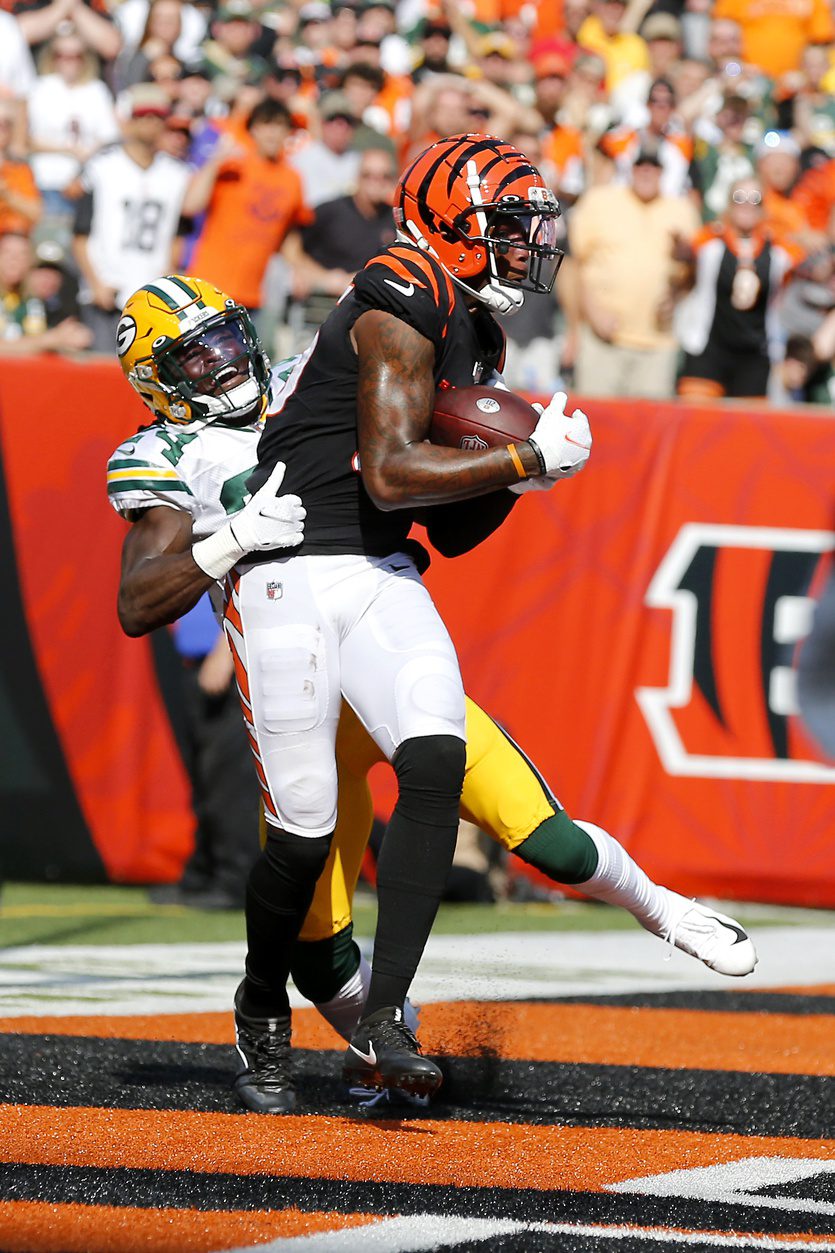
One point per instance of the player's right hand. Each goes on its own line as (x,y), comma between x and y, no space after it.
(562,441)
(269,520)
(266,521)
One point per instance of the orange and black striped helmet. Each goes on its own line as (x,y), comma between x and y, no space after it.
(463,196)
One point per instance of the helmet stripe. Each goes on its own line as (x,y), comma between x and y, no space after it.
(157,289)
(192,292)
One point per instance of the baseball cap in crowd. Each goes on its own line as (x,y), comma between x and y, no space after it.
(551,65)
(315,11)
(661,26)
(335,104)
(144,100)
(435,26)
(778,141)
(236,11)
(648,156)
(496,43)
(49,255)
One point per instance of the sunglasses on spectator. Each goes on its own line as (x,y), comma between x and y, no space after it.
(747,197)
(666,101)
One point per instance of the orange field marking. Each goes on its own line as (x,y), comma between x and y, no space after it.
(458,1154)
(37,1227)
(756,1043)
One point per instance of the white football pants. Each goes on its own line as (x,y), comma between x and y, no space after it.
(306,630)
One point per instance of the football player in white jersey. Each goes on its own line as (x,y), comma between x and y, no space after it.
(181,481)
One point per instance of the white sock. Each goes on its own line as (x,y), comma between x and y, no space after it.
(344,1011)
(619,880)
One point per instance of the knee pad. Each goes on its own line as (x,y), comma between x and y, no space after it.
(305,791)
(430,770)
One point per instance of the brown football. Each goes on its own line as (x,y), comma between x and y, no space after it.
(480,417)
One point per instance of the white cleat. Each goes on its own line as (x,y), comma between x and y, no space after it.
(714,938)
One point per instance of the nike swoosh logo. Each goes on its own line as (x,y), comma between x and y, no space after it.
(576,443)
(370,1057)
(394,569)
(130,448)
(738,932)
(408,290)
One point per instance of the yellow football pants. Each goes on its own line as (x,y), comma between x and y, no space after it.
(503,795)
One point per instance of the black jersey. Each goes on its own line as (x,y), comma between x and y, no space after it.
(315,432)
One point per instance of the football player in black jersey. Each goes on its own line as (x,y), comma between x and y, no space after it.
(349,614)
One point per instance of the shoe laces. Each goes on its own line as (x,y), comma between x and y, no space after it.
(267,1051)
(395,1035)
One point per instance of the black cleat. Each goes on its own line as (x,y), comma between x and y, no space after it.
(384,1053)
(265,1081)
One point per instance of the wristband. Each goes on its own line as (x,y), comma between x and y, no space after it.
(217,554)
(543,466)
(517,461)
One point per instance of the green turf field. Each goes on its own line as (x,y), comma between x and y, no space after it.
(33,913)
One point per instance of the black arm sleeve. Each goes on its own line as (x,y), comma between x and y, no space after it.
(457,528)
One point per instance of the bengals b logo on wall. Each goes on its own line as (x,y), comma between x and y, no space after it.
(741,602)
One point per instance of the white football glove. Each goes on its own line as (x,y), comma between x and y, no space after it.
(562,441)
(266,521)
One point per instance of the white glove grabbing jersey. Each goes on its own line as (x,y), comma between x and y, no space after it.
(267,521)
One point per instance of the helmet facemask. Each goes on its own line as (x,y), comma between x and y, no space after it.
(518,225)
(217,371)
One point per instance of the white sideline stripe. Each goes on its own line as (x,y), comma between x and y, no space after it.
(428,1231)
(504,966)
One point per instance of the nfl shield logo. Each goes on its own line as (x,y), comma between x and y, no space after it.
(275,591)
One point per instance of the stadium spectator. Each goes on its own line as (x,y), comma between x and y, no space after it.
(662,134)
(433,49)
(585,105)
(137,26)
(377,24)
(661,32)
(726,324)
(41,20)
(53,281)
(20,200)
(625,244)
(774,35)
(17,69)
(606,33)
(162,34)
(815,194)
(127,221)
(347,232)
(328,165)
(778,167)
(718,162)
(252,197)
(231,54)
(71,116)
(562,152)
(805,101)
(27,324)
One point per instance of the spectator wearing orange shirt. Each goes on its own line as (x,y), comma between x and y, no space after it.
(815,194)
(727,325)
(562,147)
(20,200)
(662,134)
(778,166)
(252,198)
(775,34)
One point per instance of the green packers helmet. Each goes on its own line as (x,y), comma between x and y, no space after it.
(191,352)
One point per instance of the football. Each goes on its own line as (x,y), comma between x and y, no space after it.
(480,417)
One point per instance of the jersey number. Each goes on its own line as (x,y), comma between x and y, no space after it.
(141,226)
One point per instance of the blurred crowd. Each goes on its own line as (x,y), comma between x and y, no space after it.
(257,144)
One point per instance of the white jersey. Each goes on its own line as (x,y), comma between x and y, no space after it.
(136,213)
(201,469)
